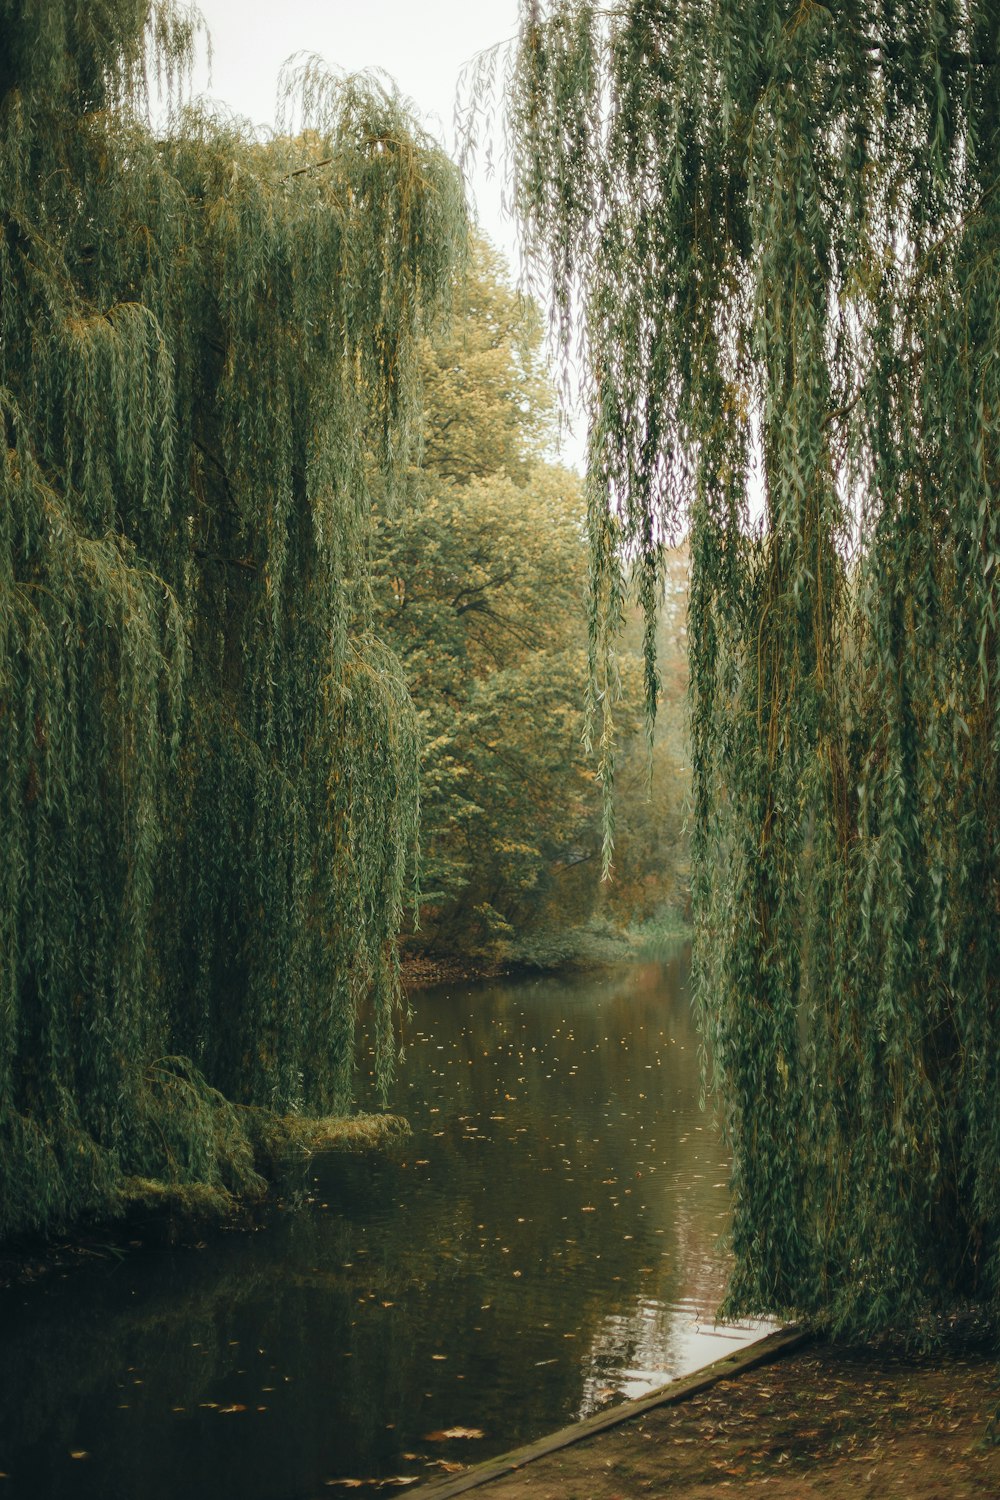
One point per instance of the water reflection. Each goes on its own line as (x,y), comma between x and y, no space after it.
(545,1243)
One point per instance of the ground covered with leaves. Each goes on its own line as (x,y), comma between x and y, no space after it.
(829,1421)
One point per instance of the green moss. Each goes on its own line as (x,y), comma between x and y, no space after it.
(277,1137)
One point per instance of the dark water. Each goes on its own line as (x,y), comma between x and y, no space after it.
(544,1244)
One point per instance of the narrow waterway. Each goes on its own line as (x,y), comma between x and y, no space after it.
(545,1243)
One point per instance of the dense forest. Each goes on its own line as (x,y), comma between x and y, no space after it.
(295,658)
(208,359)
(480,585)
(284,558)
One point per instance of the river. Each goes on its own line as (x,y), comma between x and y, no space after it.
(543,1245)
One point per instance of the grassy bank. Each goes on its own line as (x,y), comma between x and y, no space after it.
(596,944)
(252,1146)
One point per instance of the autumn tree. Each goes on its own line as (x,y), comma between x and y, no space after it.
(207,758)
(781,226)
(480,587)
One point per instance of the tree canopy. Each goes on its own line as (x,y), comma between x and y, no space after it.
(480,588)
(208,353)
(781,225)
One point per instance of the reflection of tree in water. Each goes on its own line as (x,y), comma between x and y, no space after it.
(552,1217)
(659,1338)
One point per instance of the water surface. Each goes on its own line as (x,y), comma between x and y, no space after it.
(545,1243)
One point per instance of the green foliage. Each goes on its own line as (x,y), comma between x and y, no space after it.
(782,225)
(207,760)
(480,587)
(652,780)
(488,401)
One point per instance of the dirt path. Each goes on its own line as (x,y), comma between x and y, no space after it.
(824,1421)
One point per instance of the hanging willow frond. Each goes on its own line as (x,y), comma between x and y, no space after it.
(780,224)
(207,766)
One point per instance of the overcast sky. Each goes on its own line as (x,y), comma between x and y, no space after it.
(423,48)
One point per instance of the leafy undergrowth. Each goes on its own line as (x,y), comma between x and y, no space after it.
(594,945)
(163,1206)
(832,1421)
(271,1140)
(276,1137)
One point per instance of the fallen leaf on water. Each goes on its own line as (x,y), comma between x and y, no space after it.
(79,1453)
(454,1432)
(439,1356)
(225,1410)
(448,1465)
(397,1482)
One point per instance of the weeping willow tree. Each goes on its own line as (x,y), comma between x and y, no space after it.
(207,761)
(780,226)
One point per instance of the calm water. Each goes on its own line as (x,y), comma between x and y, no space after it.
(544,1244)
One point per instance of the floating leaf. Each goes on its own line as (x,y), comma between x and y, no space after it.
(454,1432)
(397,1482)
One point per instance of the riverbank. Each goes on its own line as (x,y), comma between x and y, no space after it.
(822,1419)
(155,1211)
(595,946)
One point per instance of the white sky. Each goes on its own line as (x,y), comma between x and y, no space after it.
(422,47)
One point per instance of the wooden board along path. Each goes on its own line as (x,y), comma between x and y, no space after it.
(773,1346)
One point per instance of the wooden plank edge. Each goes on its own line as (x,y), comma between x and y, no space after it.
(763,1351)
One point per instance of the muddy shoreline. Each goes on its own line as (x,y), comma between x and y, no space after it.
(824,1419)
